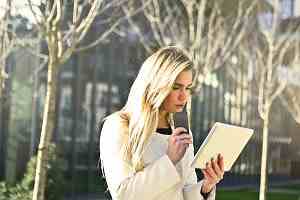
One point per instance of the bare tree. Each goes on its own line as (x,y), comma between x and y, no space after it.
(207,30)
(10,42)
(268,50)
(6,44)
(290,98)
(64,25)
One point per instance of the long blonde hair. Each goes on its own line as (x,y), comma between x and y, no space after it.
(152,85)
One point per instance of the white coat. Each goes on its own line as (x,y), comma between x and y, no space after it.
(159,180)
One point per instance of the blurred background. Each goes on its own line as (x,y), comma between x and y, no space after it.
(95,82)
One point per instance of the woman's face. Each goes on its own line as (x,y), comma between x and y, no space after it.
(180,93)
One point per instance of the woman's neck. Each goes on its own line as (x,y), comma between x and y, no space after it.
(163,120)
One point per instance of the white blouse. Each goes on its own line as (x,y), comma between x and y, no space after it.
(159,180)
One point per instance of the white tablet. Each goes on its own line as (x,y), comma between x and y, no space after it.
(228,140)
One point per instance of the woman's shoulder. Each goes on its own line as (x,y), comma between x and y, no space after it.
(114,131)
(113,135)
(116,119)
(115,123)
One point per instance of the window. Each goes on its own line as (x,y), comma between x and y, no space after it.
(287,8)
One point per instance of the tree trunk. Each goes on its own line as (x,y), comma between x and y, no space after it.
(2,138)
(93,124)
(47,131)
(264,156)
(75,117)
(1,84)
(34,115)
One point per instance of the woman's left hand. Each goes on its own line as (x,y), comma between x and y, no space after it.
(213,174)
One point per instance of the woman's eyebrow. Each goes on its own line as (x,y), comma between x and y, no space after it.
(179,84)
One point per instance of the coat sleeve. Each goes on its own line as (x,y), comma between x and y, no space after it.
(191,189)
(123,182)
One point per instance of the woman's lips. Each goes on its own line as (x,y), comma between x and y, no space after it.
(179,106)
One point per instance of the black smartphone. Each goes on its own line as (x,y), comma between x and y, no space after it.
(181,119)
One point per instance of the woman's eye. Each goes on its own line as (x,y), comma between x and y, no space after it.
(191,90)
(175,87)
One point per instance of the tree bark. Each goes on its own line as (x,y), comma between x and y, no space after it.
(2,139)
(34,115)
(264,156)
(47,130)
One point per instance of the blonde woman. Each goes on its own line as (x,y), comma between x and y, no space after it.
(143,156)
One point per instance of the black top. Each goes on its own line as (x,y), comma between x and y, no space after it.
(165,131)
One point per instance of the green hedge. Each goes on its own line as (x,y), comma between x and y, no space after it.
(55,182)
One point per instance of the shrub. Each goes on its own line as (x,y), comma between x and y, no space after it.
(4,191)
(55,182)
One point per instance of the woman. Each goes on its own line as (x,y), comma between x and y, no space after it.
(143,156)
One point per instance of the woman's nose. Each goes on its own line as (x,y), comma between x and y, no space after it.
(183,94)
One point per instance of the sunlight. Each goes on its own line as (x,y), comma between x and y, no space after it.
(21,8)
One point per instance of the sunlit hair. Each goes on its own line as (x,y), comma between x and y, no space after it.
(152,85)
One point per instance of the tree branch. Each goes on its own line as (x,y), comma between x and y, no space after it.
(111,29)
(52,12)
(137,30)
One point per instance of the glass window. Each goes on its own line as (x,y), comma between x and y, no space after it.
(65,117)
(287,8)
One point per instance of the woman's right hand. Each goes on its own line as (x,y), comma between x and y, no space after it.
(178,142)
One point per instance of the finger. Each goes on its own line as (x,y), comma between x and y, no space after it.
(174,140)
(209,178)
(186,141)
(221,162)
(207,175)
(186,145)
(178,131)
(183,136)
(210,171)
(216,168)
(179,137)
(182,145)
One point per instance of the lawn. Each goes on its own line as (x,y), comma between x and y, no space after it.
(295,187)
(252,195)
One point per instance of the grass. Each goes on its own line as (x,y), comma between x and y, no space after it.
(295,187)
(252,195)
(282,192)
